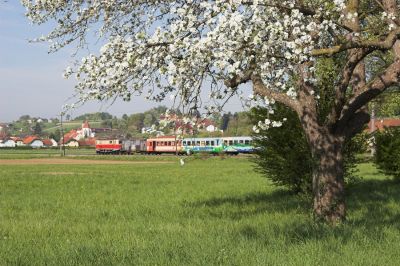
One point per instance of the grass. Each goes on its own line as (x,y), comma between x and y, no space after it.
(209,212)
(39,153)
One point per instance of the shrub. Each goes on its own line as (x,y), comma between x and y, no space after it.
(387,156)
(284,156)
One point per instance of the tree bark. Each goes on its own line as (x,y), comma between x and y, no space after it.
(328,174)
(328,180)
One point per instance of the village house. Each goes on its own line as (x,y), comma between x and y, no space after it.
(79,134)
(18,141)
(381,124)
(208,125)
(33,141)
(71,143)
(50,143)
(7,143)
(89,142)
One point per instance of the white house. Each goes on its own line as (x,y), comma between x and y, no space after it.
(37,144)
(50,143)
(211,128)
(84,132)
(72,143)
(7,143)
(18,141)
(33,141)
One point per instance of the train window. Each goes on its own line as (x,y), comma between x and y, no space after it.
(198,142)
(169,143)
(241,141)
(110,141)
(212,143)
(247,141)
(230,142)
(225,142)
(207,143)
(184,143)
(235,142)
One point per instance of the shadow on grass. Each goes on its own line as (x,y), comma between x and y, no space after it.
(377,201)
(373,206)
(251,204)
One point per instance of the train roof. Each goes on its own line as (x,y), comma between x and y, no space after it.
(163,138)
(237,138)
(202,139)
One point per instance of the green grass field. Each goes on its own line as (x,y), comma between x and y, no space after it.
(208,212)
(44,152)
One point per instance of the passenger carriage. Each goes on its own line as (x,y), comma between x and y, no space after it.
(196,145)
(239,144)
(164,144)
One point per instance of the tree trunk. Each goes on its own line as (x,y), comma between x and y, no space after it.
(328,180)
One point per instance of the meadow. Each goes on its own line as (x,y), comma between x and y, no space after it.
(214,211)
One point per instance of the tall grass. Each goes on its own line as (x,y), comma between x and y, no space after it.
(208,212)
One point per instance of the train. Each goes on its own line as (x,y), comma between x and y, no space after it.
(173,145)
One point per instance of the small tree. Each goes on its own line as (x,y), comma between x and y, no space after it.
(284,156)
(387,156)
(37,129)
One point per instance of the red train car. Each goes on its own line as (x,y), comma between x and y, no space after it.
(164,144)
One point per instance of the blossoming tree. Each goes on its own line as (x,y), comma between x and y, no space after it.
(173,48)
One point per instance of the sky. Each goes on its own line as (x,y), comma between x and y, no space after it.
(31,79)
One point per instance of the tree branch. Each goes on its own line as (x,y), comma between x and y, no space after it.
(260,89)
(340,90)
(385,44)
(236,80)
(378,85)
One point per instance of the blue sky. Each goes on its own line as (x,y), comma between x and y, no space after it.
(31,80)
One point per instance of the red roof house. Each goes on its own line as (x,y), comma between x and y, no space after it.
(380,124)
(29,139)
(90,142)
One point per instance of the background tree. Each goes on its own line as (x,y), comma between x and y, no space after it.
(225,121)
(387,156)
(55,135)
(37,129)
(387,104)
(24,117)
(164,48)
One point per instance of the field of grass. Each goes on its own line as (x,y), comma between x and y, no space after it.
(208,212)
(38,153)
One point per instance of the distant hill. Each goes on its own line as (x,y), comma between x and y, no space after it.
(99,116)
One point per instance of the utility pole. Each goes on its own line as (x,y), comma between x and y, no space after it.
(62,147)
